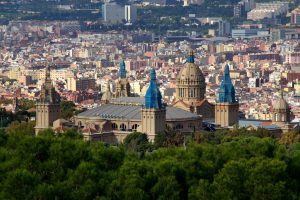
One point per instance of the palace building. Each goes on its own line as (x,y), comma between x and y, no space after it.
(113,121)
(119,114)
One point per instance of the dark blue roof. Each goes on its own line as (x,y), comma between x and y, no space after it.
(226,93)
(122,70)
(153,97)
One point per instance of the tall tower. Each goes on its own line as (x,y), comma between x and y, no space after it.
(48,106)
(281,111)
(123,86)
(153,112)
(226,108)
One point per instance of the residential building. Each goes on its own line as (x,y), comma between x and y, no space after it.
(80,84)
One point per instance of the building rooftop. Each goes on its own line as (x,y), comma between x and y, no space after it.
(130,108)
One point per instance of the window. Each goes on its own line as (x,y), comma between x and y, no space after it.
(134,127)
(114,126)
(179,126)
(123,127)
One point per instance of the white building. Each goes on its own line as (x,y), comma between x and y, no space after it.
(130,13)
(268,10)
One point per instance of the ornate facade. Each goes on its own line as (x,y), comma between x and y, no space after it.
(48,106)
(113,121)
(227,107)
(191,89)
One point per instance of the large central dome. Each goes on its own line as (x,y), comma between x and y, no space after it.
(190,81)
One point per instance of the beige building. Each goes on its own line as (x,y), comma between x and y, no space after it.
(79,53)
(15,73)
(80,84)
(62,74)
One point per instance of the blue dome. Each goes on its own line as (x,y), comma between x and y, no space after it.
(153,97)
(226,93)
(122,70)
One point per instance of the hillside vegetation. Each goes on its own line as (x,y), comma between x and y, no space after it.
(237,164)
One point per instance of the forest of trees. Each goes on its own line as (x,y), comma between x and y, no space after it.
(236,164)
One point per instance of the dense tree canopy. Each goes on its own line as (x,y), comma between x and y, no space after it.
(67,109)
(237,164)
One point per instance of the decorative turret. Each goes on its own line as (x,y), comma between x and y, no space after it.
(107,94)
(153,113)
(153,97)
(281,111)
(122,85)
(122,70)
(48,93)
(190,58)
(48,106)
(226,91)
(226,108)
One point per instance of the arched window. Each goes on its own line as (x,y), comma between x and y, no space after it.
(134,127)
(114,126)
(123,127)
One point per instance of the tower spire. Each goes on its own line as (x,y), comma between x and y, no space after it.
(153,116)
(122,69)
(48,106)
(226,91)
(226,108)
(153,98)
(190,58)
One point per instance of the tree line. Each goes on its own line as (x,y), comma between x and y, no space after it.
(236,164)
